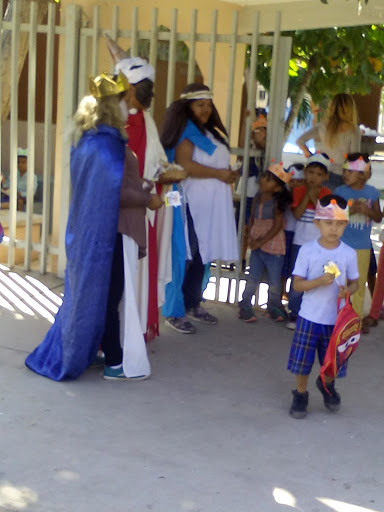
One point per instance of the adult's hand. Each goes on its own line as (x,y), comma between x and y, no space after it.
(156,202)
(227,176)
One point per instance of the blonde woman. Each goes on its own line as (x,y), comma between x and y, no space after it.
(338,135)
(104,237)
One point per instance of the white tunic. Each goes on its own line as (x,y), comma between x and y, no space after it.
(211,206)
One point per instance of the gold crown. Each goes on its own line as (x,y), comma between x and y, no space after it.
(106,85)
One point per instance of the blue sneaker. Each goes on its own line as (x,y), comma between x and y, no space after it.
(110,373)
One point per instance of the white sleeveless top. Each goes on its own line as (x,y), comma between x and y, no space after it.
(211,205)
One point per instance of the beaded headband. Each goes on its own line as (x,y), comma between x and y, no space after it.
(197,95)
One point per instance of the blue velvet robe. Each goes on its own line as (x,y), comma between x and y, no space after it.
(72,342)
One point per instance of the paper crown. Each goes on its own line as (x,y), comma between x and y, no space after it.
(319,158)
(331,212)
(105,85)
(279,171)
(260,123)
(296,173)
(357,165)
(22,152)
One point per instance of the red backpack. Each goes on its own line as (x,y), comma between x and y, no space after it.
(344,340)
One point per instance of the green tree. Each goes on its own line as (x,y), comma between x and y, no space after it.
(326,62)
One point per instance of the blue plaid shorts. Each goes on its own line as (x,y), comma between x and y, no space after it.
(309,337)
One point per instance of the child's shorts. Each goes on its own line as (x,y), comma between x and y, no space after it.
(309,337)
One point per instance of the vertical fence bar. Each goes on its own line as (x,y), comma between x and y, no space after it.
(250,99)
(83,65)
(231,80)
(13,132)
(192,49)
(153,49)
(134,38)
(272,148)
(95,40)
(31,133)
(172,59)
(212,50)
(70,77)
(47,136)
(114,30)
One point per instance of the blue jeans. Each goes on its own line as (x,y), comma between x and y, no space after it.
(294,298)
(259,262)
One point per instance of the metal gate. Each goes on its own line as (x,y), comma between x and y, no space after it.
(82,44)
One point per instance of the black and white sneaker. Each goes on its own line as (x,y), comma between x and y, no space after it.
(180,325)
(331,397)
(299,405)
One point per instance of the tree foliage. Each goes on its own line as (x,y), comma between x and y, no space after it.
(325,62)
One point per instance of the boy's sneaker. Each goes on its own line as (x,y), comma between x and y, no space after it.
(180,325)
(110,373)
(299,405)
(201,315)
(331,399)
(247,315)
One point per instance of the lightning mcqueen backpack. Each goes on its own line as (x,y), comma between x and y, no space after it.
(344,340)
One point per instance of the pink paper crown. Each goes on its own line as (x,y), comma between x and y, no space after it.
(278,171)
(332,211)
(356,165)
(319,158)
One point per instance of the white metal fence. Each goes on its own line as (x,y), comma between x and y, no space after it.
(81,42)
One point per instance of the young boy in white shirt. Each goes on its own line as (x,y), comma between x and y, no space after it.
(318,311)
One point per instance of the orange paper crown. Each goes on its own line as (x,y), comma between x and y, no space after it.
(331,212)
(278,171)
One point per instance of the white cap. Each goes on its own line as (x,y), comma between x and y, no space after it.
(135,69)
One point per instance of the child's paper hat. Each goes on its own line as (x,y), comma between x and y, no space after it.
(331,211)
(279,171)
(296,172)
(319,158)
(22,152)
(356,165)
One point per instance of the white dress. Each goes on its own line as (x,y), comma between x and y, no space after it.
(211,205)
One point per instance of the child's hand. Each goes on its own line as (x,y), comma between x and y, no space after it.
(253,244)
(313,193)
(343,291)
(326,279)
(156,202)
(358,207)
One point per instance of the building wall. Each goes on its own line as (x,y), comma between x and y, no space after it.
(165,7)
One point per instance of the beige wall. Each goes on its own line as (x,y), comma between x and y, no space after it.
(165,7)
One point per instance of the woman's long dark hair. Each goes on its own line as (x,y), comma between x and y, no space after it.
(178,114)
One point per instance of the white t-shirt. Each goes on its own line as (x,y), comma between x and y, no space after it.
(320,304)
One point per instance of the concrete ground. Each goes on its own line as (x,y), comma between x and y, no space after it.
(209,432)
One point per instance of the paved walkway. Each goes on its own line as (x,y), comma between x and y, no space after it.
(209,432)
